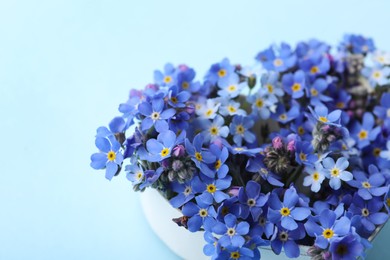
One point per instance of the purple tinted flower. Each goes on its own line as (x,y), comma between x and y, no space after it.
(285,238)
(329,229)
(199,214)
(240,127)
(294,84)
(336,171)
(348,247)
(251,200)
(151,176)
(365,133)
(200,157)
(287,212)
(155,115)
(369,186)
(109,157)
(367,213)
(232,231)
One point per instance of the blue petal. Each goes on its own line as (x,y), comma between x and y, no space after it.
(168,138)
(161,126)
(252,189)
(291,249)
(190,209)
(194,223)
(289,223)
(334,115)
(103,144)
(378,218)
(111,169)
(146,124)
(168,113)
(98,161)
(230,220)
(321,242)
(342,226)
(237,241)
(312,228)
(290,198)
(145,109)
(219,228)
(300,213)
(242,228)
(117,125)
(154,147)
(327,218)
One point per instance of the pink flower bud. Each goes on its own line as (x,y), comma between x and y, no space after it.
(218,142)
(165,163)
(234,191)
(183,67)
(179,151)
(277,142)
(291,146)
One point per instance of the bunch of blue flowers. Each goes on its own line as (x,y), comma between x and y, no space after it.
(292,151)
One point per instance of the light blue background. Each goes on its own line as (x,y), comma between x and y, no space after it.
(64,68)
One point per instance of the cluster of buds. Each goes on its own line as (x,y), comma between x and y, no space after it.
(180,167)
(279,157)
(317,253)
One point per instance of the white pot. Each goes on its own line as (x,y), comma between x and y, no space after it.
(159,213)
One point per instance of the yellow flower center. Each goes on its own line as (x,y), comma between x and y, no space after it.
(366,184)
(164,152)
(340,104)
(251,202)
(209,112)
(278,62)
(259,102)
(313,92)
(185,85)
(301,130)
(232,109)
(218,164)
(283,117)
(225,211)
(328,233)
(167,79)
(198,156)
(285,212)
(213,130)
(232,88)
(240,129)
(111,156)
(270,88)
(335,172)
(174,100)
(139,175)
(388,202)
(296,87)
(314,70)
(222,73)
(235,255)
(155,115)
(203,213)
(316,176)
(323,119)
(302,156)
(377,74)
(362,134)
(211,188)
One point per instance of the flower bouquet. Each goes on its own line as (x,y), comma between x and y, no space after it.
(292,151)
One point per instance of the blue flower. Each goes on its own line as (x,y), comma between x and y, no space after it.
(176,98)
(329,229)
(285,238)
(358,44)
(166,78)
(199,214)
(239,128)
(320,113)
(314,92)
(262,104)
(348,247)
(219,71)
(232,231)
(213,189)
(294,84)
(186,191)
(151,176)
(284,117)
(230,86)
(135,173)
(155,115)
(304,153)
(368,187)
(185,78)
(367,213)
(383,111)
(270,84)
(215,129)
(278,59)
(109,157)
(263,225)
(238,253)
(287,212)
(251,200)
(231,108)
(377,76)
(221,155)
(229,205)
(212,248)
(256,165)
(315,178)
(336,171)
(200,157)
(365,133)
(386,153)
(315,65)
(161,148)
